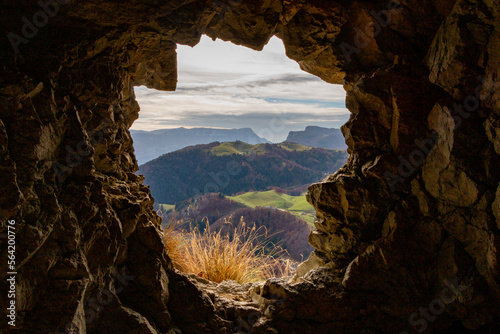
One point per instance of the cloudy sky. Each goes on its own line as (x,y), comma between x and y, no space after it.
(222,85)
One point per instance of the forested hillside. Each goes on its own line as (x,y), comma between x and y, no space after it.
(232,168)
(283,228)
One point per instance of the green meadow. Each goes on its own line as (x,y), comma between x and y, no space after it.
(297,205)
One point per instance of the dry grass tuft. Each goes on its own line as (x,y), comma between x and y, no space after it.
(243,254)
(174,244)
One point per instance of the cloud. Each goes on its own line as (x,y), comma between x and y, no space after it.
(223,85)
(261,82)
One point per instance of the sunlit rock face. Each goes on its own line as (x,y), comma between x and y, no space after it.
(408,232)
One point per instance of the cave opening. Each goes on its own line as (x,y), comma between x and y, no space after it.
(89,254)
(239,140)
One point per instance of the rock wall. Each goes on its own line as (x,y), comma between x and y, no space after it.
(407,232)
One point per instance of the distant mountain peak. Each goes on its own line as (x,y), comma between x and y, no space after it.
(316,136)
(149,145)
(314,127)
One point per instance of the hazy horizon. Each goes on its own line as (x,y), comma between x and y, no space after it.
(225,86)
(219,128)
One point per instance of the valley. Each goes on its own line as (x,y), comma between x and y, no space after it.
(296,205)
(211,190)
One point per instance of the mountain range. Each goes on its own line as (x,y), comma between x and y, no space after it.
(149,145)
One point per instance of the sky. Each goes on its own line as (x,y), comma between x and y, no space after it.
(222,85)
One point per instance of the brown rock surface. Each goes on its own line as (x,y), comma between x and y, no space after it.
(411,222)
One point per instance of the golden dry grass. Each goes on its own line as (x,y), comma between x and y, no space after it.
(174,243)
(243,255)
